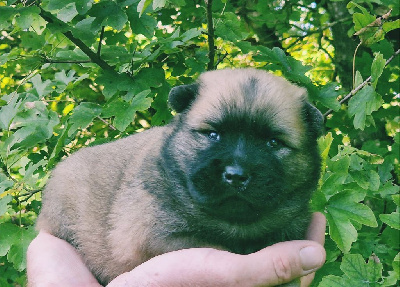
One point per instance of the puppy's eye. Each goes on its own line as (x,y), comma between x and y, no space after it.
(274,143)
(214,136)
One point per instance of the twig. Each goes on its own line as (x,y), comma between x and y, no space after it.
(29,194)
(210,28)
(85,49)
(101,40)
(108,124)
(354,64)
(53,61)
(377,23)
(355,90)
(221,58)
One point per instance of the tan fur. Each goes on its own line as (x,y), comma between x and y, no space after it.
(96,198)
(83,191)
(276,95)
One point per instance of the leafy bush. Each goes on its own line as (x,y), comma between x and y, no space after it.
(78,73)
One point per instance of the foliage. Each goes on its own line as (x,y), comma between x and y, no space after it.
(75,73)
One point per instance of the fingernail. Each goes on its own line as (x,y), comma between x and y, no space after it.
(311,258)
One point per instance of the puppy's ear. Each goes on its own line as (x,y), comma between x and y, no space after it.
(181,97)
(314,118)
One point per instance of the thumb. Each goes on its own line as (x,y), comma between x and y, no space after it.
(284,262)
(271,266)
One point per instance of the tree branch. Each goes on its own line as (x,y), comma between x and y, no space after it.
(355,90)
(108,124)
(101,40)
(210,28)
(61,61)
(94,57)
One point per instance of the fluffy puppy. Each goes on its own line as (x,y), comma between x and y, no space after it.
(234,170)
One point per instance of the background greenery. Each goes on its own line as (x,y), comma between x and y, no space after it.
(75,73)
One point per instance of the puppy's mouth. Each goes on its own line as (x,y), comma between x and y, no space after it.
(233,209)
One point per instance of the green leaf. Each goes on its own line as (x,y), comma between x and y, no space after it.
(110,81)
(157,4)
(151,77)
(8,233)
(351,5)
(17,252)
(377,68)
(374,180)
(30,170)
(115,55)
(4,203)
(27,137)
(333,281)
(396,199)
(341,165)
(328,96)
(108,13)
(324,146)
(9,111)
(393,219)
(190,34)
(34,125)
(143,24)
(362,20)
(163,114)
(26,16)
(343,208)
(82,116)
(5,184)
(42,88)
(82,6)
(33,41)
(141,102)
(367,179)
(6,16)
(85,30)
(59,146)
(396,264)
(318,201)
(341,230)
(229,28)
(67,13)
(391,25)
(333,184)
(142,6)
(362,105)
(124,112)
(358,79)
(359,272)
(65,78)
(347,204)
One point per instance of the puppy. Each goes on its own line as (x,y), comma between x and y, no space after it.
(234,170)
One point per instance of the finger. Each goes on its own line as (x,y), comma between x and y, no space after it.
(271,266)
(53,262)
(286,261)
(315,232)
(317,227)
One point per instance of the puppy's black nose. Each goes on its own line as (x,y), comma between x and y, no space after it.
(235,176)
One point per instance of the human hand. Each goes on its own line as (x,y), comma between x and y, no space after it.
(271,266)
(53,262)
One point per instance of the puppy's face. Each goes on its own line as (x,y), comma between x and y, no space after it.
(247,145)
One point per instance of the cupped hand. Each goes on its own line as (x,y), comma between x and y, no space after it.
(54,262)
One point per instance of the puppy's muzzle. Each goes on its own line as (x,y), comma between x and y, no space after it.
(236,176)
